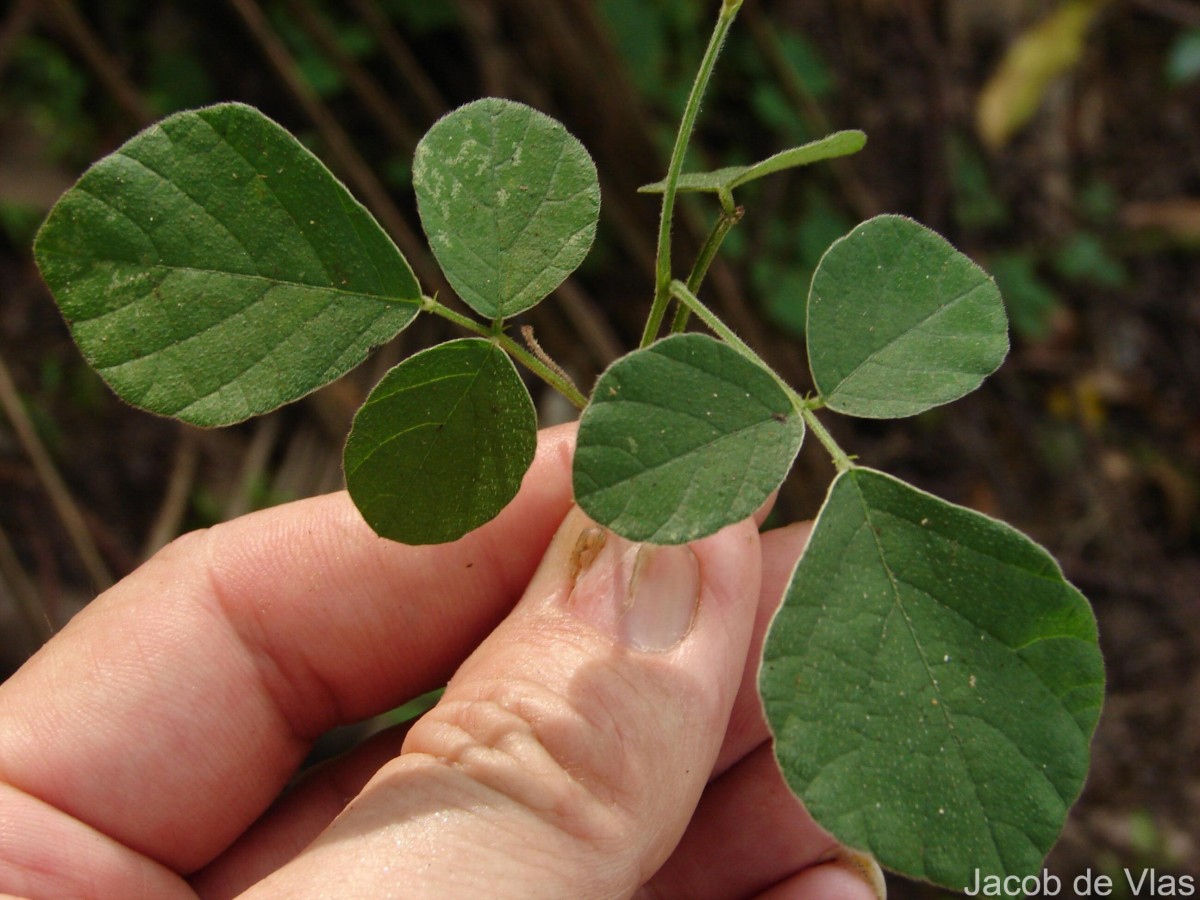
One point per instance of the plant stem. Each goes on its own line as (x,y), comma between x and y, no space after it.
(840,460)
(515,350)
(806,408)
(662,282)
(708,252)
(433,305)
(541,370)
(687,299)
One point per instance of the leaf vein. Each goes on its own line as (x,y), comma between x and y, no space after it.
(870,358)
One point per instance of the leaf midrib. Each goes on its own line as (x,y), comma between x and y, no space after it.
(168,180)
(899,601)
(739,432)
(273,282)
(895,581)
(869,358)
(609,489)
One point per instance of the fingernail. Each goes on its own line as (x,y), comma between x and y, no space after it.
(865,866)
(664,593)
(646,596)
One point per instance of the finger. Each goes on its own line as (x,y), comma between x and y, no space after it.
(569,751)
(781,548)
(172,710)
(298,817)
(748,834)
(306,810)
(840,879)
(35,839)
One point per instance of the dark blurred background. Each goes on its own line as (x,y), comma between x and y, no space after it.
(1057,143)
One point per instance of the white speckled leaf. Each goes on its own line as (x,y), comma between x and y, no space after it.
(509,201)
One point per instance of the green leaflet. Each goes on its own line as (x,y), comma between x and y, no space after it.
(509,201)
(933,683)
(899,321)
(212,268)
(840,143)
(681,439)
(442,443)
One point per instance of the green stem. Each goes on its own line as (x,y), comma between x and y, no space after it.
(840,460)
(431,304)
(806,408)
(541,370)
(708,253)
(662,281)
(515,350)
(688,300)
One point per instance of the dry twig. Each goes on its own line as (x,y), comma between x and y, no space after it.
(60,495)
(401,134)
(76,30)
(341,148)
(15,582)
(14,27)
(168,520)
(402,58)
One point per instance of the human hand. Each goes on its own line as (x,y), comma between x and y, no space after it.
(591,743)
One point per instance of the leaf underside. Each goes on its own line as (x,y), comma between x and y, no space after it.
(681,439)
(213,269)
(899,321)
(932,683)
(442,443)
(509,200)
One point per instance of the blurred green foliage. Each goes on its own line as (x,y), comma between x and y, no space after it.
(420,17)
(323,75)
(19,221)
(47,91)
(658,41)
(977,204)
(1183,60)
(1085,259)
(1031,302)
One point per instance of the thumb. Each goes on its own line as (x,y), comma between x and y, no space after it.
(570,750)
